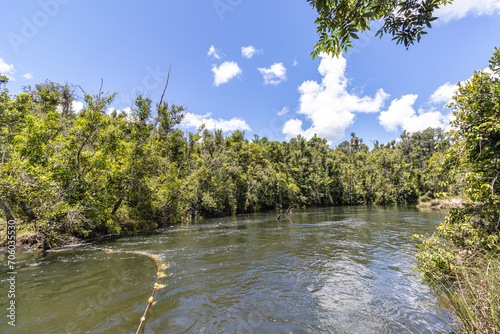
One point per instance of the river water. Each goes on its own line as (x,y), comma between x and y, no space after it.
(328,270)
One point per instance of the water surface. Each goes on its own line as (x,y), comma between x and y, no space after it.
(332,270)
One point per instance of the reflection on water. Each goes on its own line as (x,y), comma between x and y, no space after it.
(334,270)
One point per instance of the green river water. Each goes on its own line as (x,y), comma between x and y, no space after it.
(328,270)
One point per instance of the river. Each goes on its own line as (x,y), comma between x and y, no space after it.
(327,270)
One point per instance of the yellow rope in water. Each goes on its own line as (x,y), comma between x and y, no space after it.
(156,286)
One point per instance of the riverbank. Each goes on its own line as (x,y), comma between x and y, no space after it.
(442,203)
(27,240)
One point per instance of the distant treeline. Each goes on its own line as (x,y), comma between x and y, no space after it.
(92,173)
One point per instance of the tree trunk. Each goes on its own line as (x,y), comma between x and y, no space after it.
(6,209)
(28,211)
(129,185)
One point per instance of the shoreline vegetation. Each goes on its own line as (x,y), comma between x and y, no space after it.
(67,175)
(463,258)
(28,240)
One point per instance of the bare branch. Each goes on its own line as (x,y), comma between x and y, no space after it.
(166,85)
(100,89)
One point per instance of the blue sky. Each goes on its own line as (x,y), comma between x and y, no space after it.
(241,64)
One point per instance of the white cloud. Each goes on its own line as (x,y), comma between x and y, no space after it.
(28,76)
(461,8)
(213,52)
(328,105)
(283,111)
(7,69)
(128,111)
(193,120)
(295,62)
(402,114)
(490,72)
(225,72)
(293,128)
(273,75)
(76,106)
(443,94)
(249,51)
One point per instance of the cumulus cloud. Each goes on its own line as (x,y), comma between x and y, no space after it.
(249,51)
(7,69)
(328,105)
(283,111)
(213,52)
(194,120)
(225,72)
(28,76)
(274,75)
(443,94)
(293,128)
(401,113)
(295,62)
(461,8)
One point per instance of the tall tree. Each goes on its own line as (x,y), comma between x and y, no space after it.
(475,154)
(477,110)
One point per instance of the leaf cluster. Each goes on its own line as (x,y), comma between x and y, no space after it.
(340,22)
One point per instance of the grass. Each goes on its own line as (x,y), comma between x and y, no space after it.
(474,294)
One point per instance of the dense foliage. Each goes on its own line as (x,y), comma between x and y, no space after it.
(92,173)
(341,21)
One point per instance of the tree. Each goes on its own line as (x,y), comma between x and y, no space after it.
(53,95)
(341,21)
(477,111)
(12,114)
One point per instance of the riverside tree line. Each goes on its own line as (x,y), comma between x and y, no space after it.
(92,173)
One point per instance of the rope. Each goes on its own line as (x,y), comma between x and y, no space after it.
(156,286)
